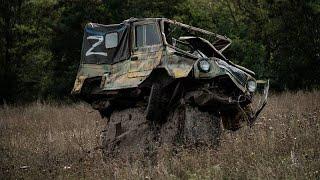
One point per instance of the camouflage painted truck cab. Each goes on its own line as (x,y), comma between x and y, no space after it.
(159,63)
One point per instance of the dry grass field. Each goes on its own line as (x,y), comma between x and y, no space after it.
(42,141)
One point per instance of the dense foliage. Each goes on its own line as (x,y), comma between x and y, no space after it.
(40,40)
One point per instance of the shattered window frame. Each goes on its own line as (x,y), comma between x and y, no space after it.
(214,39)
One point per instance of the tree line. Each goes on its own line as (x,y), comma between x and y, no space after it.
(40,40)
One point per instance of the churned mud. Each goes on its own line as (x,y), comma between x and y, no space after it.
(128,131)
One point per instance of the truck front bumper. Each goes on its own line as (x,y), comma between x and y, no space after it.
(214,101)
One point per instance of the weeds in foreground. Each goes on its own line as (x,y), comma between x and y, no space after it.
(50,141)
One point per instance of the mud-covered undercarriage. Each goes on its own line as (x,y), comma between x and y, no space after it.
(172,75)
(219,96)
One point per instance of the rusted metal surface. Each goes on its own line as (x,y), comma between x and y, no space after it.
(138,72)
(131,73)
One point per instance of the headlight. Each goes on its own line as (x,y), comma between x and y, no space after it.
(204,65)
(252,85)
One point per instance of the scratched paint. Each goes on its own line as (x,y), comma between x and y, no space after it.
(134,71)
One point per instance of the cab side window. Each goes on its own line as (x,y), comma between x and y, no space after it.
(139,36)
(152,36)
(146,35)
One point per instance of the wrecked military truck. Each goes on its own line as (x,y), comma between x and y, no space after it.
(159,64)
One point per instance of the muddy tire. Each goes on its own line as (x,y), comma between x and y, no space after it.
(155,107)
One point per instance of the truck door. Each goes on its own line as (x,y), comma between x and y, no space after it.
(146,49)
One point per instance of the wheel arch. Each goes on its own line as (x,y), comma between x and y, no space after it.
(158,74)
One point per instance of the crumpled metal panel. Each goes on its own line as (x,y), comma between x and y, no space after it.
(148,59)
(177,66)
(88,71)
(132,73)
(220,68)
(78,84)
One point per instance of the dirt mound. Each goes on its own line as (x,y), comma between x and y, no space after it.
(128,131)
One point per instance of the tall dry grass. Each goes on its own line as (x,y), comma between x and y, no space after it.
(49,141)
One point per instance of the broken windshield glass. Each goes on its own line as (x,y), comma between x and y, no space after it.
(192,42)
